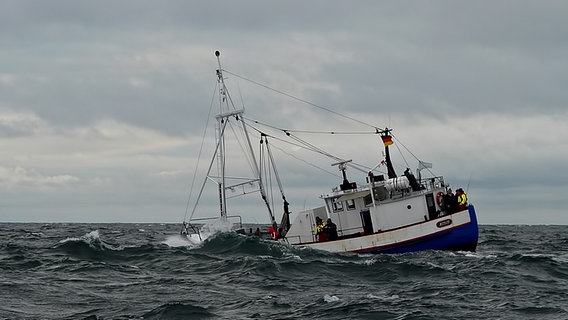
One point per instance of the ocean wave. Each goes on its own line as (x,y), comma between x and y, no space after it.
(117,271)
(92,247)
(92,240)
(179,310)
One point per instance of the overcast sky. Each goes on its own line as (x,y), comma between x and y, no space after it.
(103,104)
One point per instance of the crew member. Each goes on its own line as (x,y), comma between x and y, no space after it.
(451,202)
(462,199)
(331,229)
(321,234)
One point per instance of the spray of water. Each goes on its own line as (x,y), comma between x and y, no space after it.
(208,230)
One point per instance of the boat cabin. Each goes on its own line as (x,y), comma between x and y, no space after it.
(381,205)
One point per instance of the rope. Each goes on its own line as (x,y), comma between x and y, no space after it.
(301,100)
(199,155)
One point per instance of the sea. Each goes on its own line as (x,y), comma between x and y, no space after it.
(149,271)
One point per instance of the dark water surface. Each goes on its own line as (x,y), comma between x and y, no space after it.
(147,271)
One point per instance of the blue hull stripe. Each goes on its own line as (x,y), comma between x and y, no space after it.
(462,237)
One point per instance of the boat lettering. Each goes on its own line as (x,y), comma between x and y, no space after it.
(443,223)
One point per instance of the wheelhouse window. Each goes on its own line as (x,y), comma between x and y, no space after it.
(350,204)
(336,205)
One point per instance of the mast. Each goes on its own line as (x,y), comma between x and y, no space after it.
(387,141)
(222,120)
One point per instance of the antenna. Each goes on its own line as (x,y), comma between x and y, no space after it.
(345,185)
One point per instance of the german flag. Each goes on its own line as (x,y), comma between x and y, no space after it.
(387,140)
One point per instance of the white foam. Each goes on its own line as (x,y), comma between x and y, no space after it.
(93,235)
(383,297)
(206,231)
(94,240)
(179,240)
(328,298)
(369,262)
(214,227)
(477,255)
(561,258)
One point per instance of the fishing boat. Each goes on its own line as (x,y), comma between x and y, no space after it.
(385,213)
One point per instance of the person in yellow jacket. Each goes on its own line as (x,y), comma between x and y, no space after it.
(319,230)
(462,199)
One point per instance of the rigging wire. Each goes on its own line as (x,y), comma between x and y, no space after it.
(308,146)
(274,167)
(241,143)
(227,100)
(199,154)
(300,159)
(311,148)
(410,152)
(299,99)
(377,129)
(288,131)
(218,145)
(312,131)
(266,171)
(401,154)
(353,165)
(302,145)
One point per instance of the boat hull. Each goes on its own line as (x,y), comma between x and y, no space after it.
(458,231)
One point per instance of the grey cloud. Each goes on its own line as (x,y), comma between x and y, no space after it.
(150,65)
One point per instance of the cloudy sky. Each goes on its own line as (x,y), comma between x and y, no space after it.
(103,104)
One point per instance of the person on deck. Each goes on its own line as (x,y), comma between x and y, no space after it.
(451,202)
(462,199)
(331,229)
(321,234)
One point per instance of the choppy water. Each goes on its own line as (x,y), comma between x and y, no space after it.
(146,271)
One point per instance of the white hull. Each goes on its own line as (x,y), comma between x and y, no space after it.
(432,234)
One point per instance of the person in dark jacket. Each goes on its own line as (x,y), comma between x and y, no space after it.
(331,230)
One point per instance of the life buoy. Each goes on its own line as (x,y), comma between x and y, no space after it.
(439,198)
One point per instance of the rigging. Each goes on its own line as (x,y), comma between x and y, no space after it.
(301,100)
